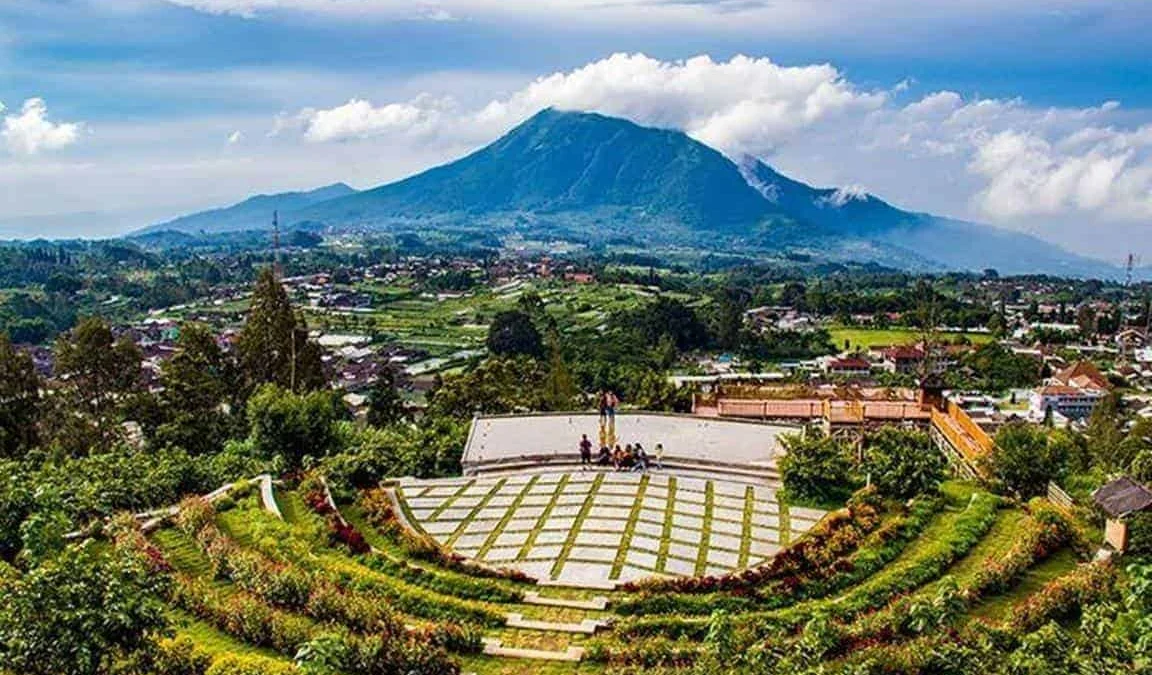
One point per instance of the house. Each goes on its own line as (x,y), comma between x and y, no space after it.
(1130,339)
(903,359)
(1120,500)
(1072,392)
(847,366)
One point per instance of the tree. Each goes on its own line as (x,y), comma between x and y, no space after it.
(1106,438)
(385,406)
(100,373)
(290,427)
(559,388)
(816,467)
(200,386)
(728,317)
(19,401)
(902,463)
(513,333)
(273,347)
(495,386)
(1025,459)
(80,613)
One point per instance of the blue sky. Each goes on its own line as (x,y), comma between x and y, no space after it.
(1029,114)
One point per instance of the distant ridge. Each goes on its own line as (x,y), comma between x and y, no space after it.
(254,213)
(599,177)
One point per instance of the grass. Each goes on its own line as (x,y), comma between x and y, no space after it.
(996,607)
(213,641)
(866,338)
(488,665)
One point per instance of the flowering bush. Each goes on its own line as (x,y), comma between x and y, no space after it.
(814,557)
(1063,597)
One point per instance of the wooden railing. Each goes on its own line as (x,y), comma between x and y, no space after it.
(964,420)
(1059,497)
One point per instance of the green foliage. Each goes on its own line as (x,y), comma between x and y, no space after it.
(496,385)
(273,347)
(290,427)
(100,375)
(512,333)
(664,318)
(1026,458)
(78,613)
(816,467)
(902,463)
(995,368)
(20,393)
(385,406)
(200,381)
(1140,533)
(248,664)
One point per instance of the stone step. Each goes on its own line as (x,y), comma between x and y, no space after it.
(493,647)
(585,627)
(598,603)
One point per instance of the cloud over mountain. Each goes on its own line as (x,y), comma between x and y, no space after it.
(1020,162)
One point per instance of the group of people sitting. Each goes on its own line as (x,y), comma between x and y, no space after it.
(632,457)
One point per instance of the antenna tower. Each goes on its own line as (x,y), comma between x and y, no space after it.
(276,269)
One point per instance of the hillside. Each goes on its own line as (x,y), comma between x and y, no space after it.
(593,177)
(254,213)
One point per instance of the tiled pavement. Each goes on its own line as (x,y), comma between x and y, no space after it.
(595,529)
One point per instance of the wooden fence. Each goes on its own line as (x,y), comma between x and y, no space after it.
(1059,497)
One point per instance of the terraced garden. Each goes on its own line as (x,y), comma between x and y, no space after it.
(865,582)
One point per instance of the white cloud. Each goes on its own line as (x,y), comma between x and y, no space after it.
(235,137)
(1093,171)
(422,117)
(29,132)
(845,194)
(744,105)
(997,159)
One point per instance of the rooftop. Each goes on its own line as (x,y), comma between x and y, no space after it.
(1122,497)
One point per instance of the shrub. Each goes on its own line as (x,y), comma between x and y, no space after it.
(236,664)
(1063,597)
(194,514)
(816,467)
(179,656)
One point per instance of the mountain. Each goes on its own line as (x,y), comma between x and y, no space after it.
(254,213)
(594,178)
(568,162)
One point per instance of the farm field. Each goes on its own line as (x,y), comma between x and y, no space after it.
(250,583)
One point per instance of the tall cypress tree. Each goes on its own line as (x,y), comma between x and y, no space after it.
(273,347)
(19,400)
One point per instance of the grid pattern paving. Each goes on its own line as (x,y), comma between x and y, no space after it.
(595,528)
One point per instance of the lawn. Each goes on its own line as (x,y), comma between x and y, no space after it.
(865,338)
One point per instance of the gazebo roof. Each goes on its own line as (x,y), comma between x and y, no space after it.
(1122,497)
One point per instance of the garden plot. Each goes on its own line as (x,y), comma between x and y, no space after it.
(598,529)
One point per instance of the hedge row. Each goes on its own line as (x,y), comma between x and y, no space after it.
(248,619)
(969,527)
(360,599)
(1044,533)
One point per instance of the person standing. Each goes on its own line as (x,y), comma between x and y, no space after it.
(659,456)
(585,452)
(610,403)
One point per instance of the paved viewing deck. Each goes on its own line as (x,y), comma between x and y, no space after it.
(542,441)
(594,529)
